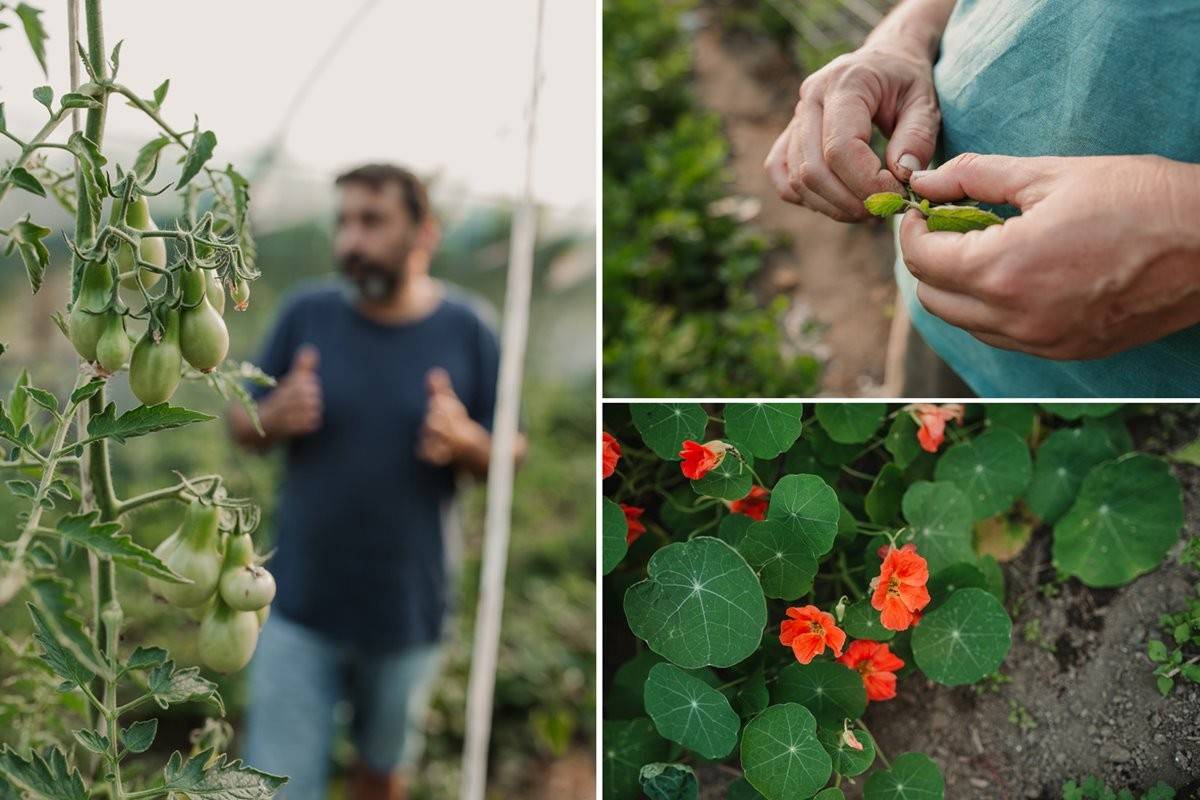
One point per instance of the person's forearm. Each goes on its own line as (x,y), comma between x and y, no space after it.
(242,429)
(915,26)
(474,451)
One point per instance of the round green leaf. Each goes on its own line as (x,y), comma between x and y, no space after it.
(964,639)
(1062,462)
(623,696)
(616,528)
(913,776)
(733,529)
(940,519)
(1074,411)
(783,561)
(862,622)
(729,480)
(882,502)
(1126,517)
(781,756)
(628,746)
(901,440)
(846,760)
(809,507)
(831,691)
(666,426)
(763,430)
(687,710)
(850,423)
(948,580)
(992,470)
(700,605)
(669,782)
(802,460)
(1017,417)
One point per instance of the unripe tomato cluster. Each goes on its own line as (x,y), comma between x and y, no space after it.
(228,591)
(191,328)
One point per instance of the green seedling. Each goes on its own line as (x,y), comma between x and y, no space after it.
(957,218)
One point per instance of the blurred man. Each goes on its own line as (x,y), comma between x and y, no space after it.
(386,387)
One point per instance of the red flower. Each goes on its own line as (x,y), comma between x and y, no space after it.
(700,459)
(876,664)
(808,631)
(899,591)
(610,454)
(633,520)
(932,420)
(753,505)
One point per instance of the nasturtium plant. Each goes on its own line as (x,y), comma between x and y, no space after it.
(761,627)
(146,300)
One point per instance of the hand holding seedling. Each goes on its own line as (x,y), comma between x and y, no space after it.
(1105,255)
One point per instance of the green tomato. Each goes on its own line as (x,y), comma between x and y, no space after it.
(154,369)
(214,290)
(247,588)
(241,294)
(85,329)
(203,337)
(152,250)
(112,350)
(192,552)
(227,638)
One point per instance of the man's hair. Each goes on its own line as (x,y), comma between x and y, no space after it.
(412,190)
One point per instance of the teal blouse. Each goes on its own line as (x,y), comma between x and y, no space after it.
(1068,78)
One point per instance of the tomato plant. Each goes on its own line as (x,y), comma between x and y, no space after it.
(772,572)
(166,287)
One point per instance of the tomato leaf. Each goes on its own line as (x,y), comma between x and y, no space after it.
(106,540)
(55,654)
(77,100)
(34,32)
(960,219)
(28,236)
(160,93)
(214,777)
(146,162)
(141,420)
(59,606)
(45,96)
(24,179)
(203,144)
(140,735)
(169,685)
(46,774)
(146,658)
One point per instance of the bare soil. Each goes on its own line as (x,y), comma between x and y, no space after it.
(838,276)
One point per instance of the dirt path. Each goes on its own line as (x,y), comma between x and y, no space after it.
(839,276)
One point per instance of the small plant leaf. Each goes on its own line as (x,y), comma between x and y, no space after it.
(169,686)
(615,531)
(689,712)
(831,691)
(783,561)
(809,508)
(964,639)
(35,32)
(138,737)
(846,760)
(106,540)
(781,755)
(939,518)
(960,219)
(912,776)
(23,179)
(763,430)
(46,774)
(201,150)
(885,204)
(700,605)
(665,426)
(141,420)
(28,236)
(993,470)
(628,745)
(1063,459)
(214,777)
(850,423)
(669,782)
(729,480)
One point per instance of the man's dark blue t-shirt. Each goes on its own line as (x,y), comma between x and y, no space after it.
(360,520)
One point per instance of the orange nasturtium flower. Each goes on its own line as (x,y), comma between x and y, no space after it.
(753,505)
(700,459)
(876,664)
(633,521)
(808,631)
(899,592)
(610,454)
(932,420)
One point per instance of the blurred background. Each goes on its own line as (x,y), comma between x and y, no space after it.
(445,92)
(713,286)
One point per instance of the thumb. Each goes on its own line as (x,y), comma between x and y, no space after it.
(914,137)
(306,359)
(992,179)
(437,382)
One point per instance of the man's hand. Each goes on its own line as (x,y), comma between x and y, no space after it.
(823,159)
(1104,257)
(449,435)
(294,408)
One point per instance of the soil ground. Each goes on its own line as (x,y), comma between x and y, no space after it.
(839,276)
(1079,696)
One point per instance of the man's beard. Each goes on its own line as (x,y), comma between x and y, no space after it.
(369,280)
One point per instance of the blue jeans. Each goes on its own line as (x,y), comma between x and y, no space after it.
(298,676)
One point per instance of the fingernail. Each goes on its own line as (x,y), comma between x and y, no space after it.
(918,174)
(910,162)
